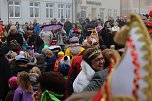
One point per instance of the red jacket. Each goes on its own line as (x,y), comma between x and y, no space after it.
(73,72)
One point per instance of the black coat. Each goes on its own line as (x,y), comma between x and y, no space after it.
(67,26)
(17,37)
(107,37)
(4,76)
(35,40)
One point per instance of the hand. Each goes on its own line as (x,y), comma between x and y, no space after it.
(33,97)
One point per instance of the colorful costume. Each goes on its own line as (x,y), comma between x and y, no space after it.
(131,79)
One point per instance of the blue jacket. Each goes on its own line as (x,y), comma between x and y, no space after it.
(37,29)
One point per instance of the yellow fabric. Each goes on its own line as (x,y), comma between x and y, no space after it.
(69,53)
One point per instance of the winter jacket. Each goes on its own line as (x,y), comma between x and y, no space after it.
(83,78)
(97,80)
(18,37)
(37,29)
(4,71)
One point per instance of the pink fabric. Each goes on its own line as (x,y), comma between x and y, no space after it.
(13,82)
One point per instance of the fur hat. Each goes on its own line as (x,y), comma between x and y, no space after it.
(13,82)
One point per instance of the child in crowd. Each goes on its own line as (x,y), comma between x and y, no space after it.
(34,75)
(12,85)
(56,65)
(24,91)
(50,59)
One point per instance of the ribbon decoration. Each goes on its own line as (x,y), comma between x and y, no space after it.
(52,95)
(136,69)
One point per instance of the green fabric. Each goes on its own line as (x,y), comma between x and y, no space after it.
(4,35)
(51,95)
(46,46)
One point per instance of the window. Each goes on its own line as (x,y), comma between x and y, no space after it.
(102,12)
(115,13)
(68,11)
(83,12)
(35,9)
(109,13)
(14,9)
(49,10)
(60,11)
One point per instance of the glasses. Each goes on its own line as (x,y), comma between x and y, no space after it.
(98,59)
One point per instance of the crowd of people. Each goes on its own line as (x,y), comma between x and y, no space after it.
(31,71)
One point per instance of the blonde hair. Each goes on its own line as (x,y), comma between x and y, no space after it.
(24,81)
(35,70)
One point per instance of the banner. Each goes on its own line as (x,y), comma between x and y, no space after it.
(52,27)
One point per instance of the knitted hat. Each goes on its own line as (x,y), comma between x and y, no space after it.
(60,53)
(13,82)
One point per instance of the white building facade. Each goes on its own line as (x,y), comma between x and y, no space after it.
(97,8)
(43,10)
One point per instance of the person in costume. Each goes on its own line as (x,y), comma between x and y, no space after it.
(74,70)
(47,37)
(100,76)
(130,80)
(92,61)
(92,40)
(74,48)
(56,65)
